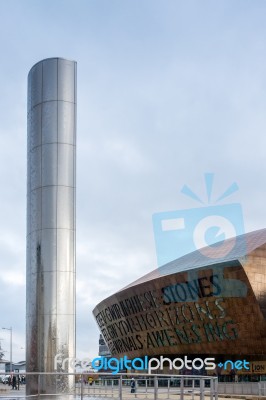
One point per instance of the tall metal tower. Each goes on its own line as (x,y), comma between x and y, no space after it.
(51,221)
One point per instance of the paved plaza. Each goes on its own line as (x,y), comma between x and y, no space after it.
(101,394)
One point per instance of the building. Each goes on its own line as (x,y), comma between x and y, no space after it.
(51,224)
(3,365)
(204,304)
(103,348)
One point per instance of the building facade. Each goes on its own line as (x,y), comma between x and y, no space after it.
(103,348)
(197,306)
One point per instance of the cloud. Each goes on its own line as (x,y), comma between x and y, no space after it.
(13,278)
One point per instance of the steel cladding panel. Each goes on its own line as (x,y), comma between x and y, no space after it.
(51,220)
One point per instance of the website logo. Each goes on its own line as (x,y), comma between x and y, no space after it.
(204,228)
(236,365)
(116,365)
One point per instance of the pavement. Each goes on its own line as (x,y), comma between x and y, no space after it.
(7,393)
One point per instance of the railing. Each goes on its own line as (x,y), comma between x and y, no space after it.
(121,386)
(262,388)
(240,388)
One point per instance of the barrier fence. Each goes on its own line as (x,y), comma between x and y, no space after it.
(120,386)
(262,388)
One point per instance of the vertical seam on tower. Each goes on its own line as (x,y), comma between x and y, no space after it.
(39,277)
(56,216)
(41,149)
(74,209)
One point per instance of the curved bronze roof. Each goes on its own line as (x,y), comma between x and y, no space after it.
(236,249)
(176,308)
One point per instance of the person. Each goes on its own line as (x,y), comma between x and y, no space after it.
(14,382)
(133,385)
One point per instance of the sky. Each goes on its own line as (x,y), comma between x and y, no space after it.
(167,91)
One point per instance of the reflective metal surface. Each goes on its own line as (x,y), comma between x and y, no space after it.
(51,221)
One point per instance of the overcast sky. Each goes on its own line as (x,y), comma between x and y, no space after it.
(167,90)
